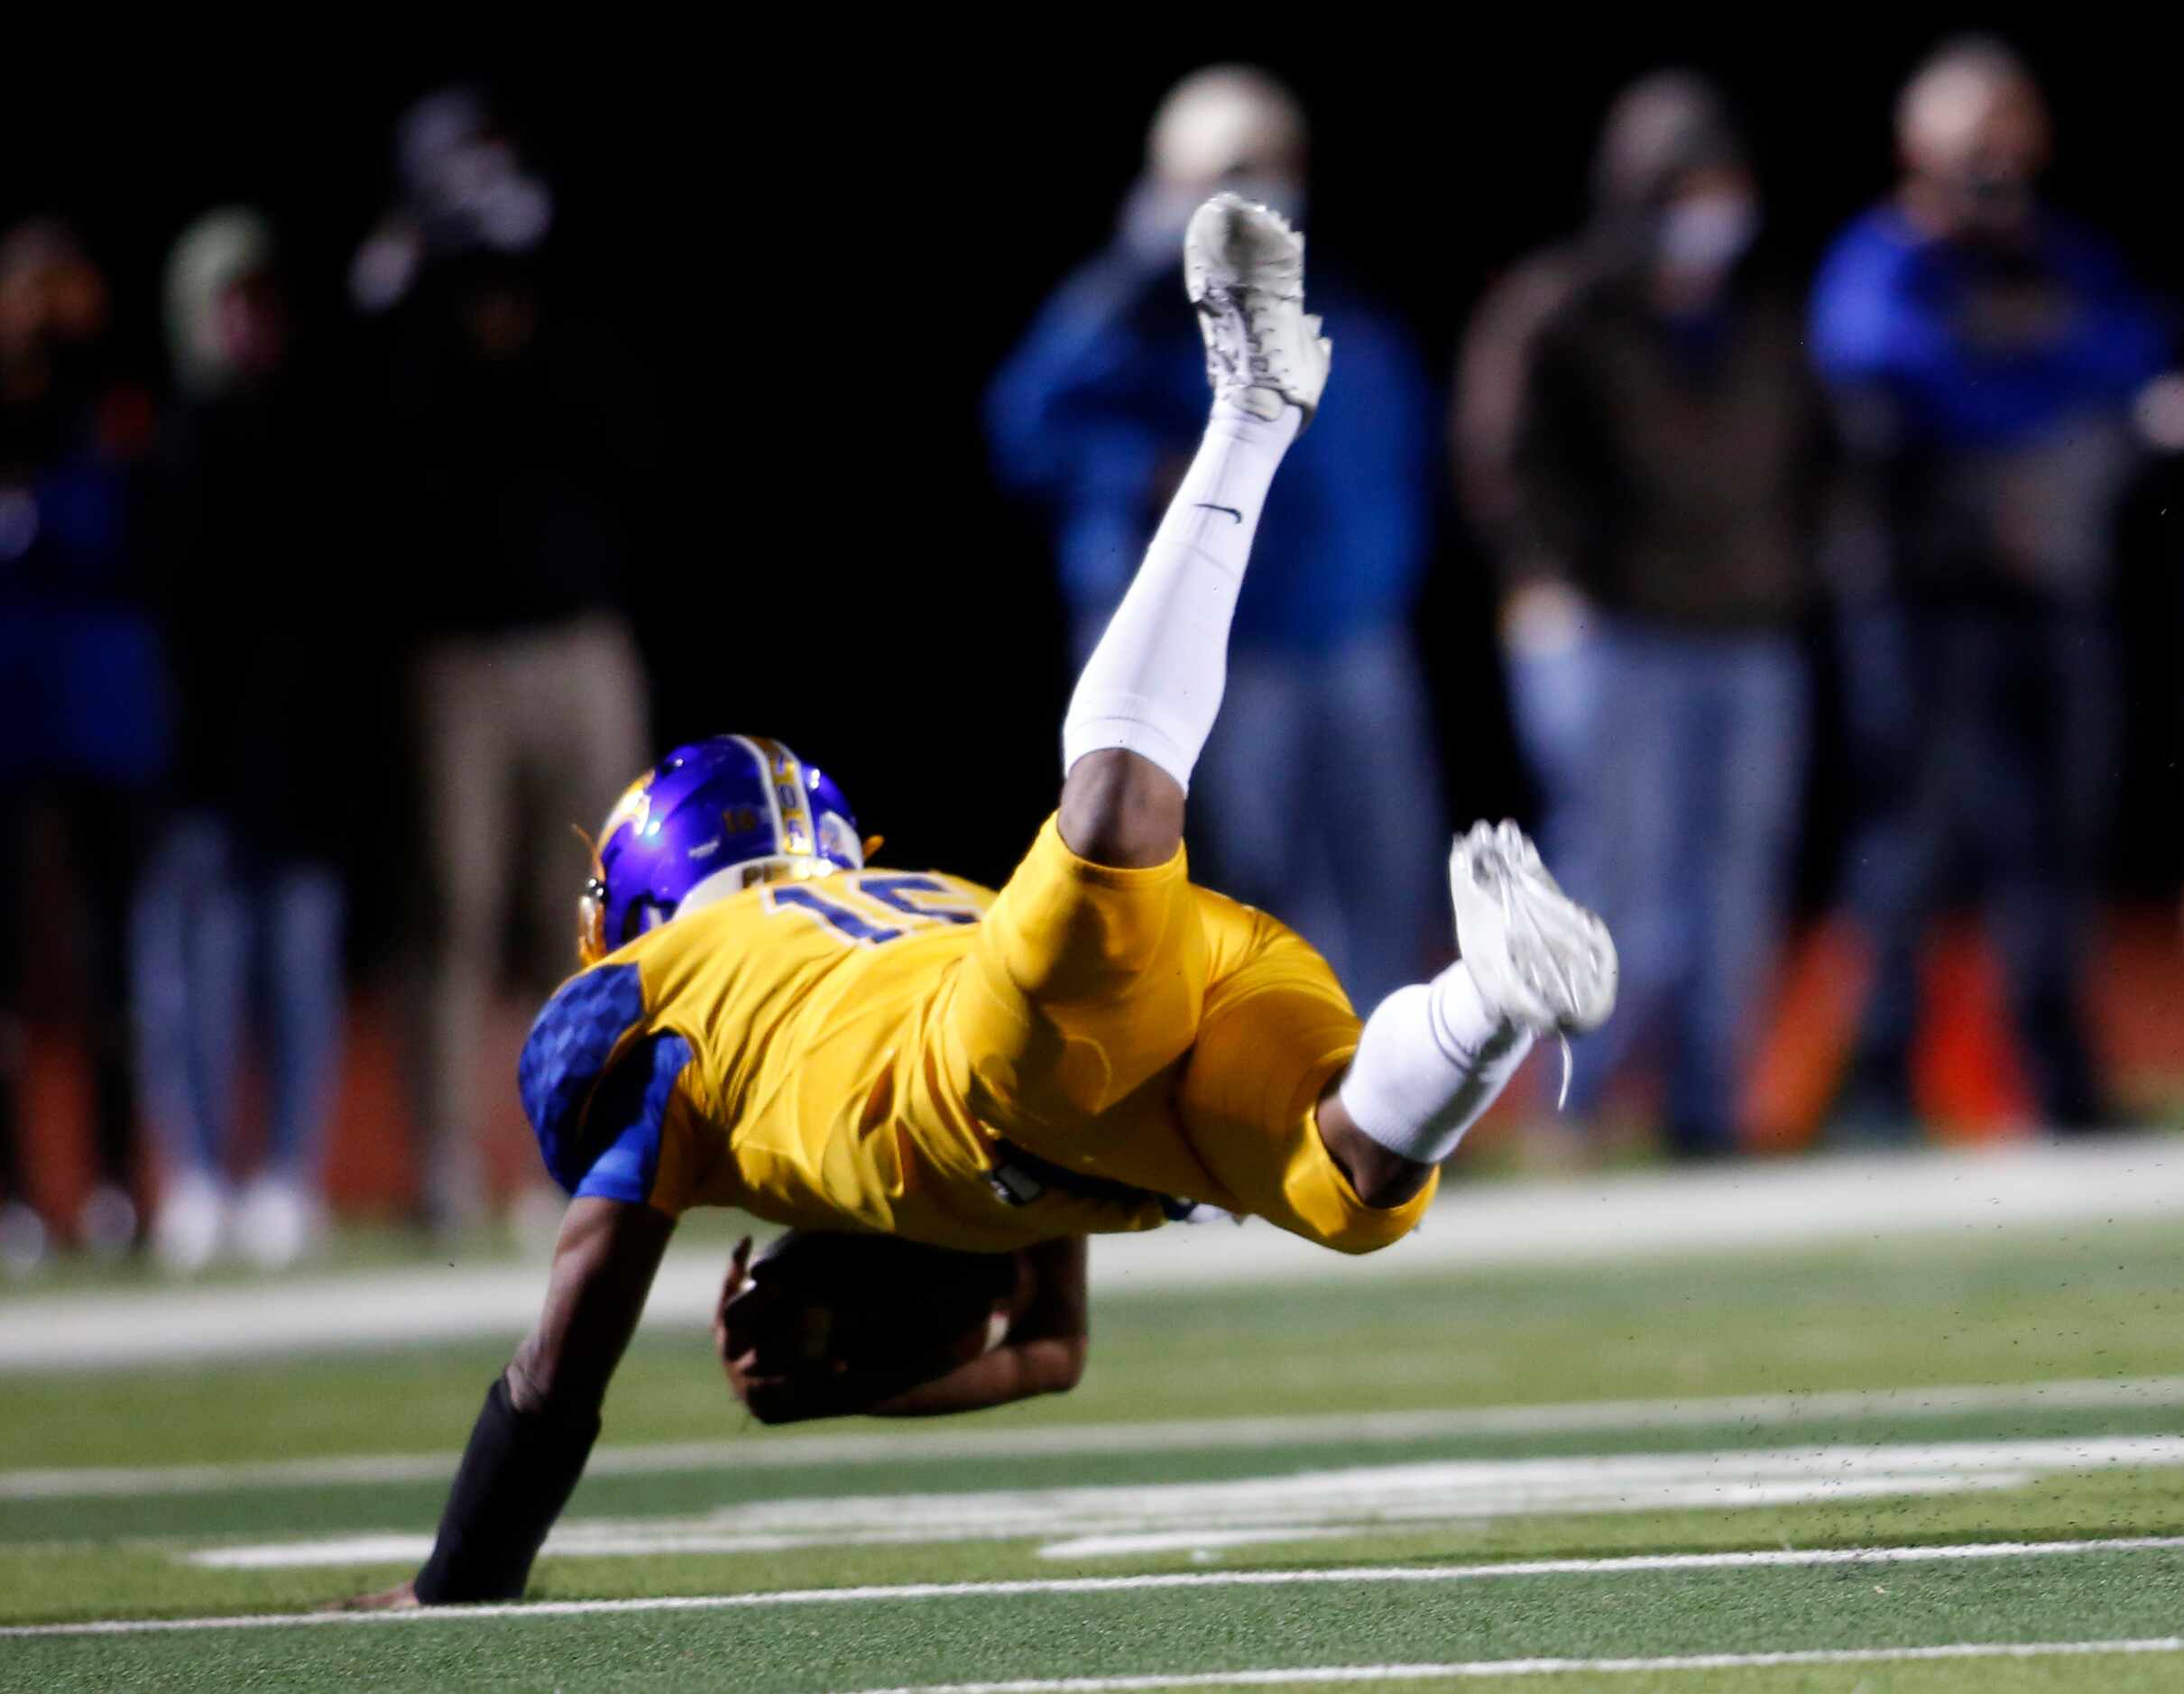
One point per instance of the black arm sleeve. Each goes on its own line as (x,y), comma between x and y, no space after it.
(516,1476)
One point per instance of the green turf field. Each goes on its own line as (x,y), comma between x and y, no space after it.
(1937,1464)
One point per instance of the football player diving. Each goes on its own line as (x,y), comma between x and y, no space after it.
(875,1057)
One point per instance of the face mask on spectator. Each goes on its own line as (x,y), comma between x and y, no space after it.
(1993,202)
(1705,233)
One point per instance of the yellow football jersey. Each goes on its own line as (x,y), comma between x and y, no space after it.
(905,1052)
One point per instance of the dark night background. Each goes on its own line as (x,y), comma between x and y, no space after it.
(823,257)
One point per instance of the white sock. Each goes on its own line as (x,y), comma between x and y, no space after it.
(1153,685)
(1432,1059)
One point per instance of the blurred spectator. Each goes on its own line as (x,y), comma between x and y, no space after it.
(519,445)
(242,905)
(1315,793)
(1551,654)
(1638,434)
(1985,355)
(81,688)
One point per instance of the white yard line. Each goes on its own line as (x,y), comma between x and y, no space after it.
(1616,1217)
(1113,1519)
(1346,1430)
(912,1592)
(1288,1677)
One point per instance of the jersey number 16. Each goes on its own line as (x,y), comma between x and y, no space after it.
(895,893)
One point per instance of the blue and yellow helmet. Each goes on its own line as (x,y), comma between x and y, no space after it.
(709,820)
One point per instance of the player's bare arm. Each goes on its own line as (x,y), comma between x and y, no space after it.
(604,1260)
(542,1414)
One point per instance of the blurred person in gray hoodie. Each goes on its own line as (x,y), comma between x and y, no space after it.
(1639,440)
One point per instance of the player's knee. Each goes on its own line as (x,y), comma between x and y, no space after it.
(1358,1241)
(1380,1178)
(1121,811)
(1358,1223)
(1366,1230)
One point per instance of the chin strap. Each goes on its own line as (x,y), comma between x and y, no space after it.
(1561,1098)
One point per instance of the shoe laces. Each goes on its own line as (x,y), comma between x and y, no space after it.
(1513,909)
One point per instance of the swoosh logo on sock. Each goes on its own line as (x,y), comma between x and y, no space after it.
(1232,510)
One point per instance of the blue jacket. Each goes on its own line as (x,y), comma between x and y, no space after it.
(1100,407)
(1913,316)
(1985,407)
(83,684)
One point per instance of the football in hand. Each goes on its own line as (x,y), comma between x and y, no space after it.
(819,1301)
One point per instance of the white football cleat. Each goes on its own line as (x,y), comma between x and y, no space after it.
(191,1226)
(106,1224)
(1541,961)
(24,1243)
(1243,268)
(276,1221)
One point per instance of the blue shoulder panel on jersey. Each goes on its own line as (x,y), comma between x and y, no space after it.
(621,1130)
(612,1150)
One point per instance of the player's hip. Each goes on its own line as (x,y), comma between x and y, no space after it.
(934,1195)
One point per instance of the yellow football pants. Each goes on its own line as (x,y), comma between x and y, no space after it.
(1128,1025)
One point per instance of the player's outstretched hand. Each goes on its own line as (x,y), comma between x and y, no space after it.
(773,1347)
(733,1284)
(737,1352)
(400,1597)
